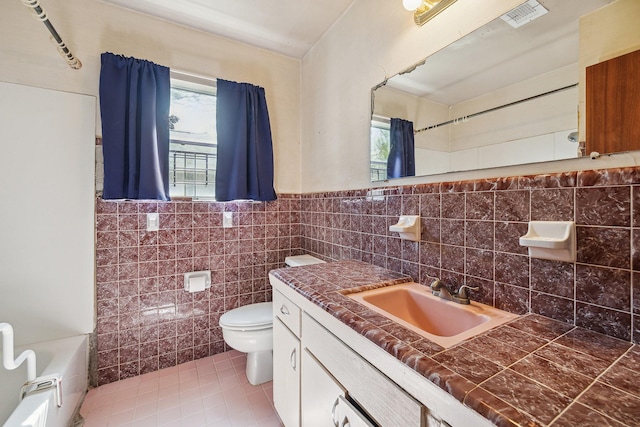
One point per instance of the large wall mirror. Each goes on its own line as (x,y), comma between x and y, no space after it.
(506,94)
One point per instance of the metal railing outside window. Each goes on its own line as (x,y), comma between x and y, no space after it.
(192,169)
(378,171)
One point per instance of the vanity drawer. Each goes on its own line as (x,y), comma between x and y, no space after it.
(287,312)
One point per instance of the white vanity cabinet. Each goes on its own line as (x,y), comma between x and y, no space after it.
(286,360)
(319,381)
(326,374)
(344,379)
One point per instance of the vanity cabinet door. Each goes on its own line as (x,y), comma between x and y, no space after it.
(286,374)
(320,394)
(349,416)
(376,394)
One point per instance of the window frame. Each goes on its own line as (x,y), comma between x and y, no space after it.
(206,86)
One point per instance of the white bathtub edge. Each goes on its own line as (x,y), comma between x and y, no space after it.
(70,360)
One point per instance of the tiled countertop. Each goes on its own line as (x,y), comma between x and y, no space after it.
(533,371)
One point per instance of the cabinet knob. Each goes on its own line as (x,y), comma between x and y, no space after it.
(284,310)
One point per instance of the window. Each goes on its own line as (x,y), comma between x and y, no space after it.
(192,149)
(380,145)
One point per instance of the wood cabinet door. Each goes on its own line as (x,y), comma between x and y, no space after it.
(613,105)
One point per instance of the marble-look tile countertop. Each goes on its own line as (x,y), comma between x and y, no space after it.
(532,371)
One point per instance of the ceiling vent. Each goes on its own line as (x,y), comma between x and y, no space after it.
(524,13)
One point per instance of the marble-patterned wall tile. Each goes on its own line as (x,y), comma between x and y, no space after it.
(604,246)
(453,205)
(471,233)
(604,286)
(606,321)
(513,206)
(512,298)
(552,205)
(139,272)
(554,307)
(553,277)
(512,269)
(507,235)
(452,232)
(479,263)
(609,206)
(479,205)
(479,234)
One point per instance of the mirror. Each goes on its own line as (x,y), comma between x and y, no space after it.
(500,96)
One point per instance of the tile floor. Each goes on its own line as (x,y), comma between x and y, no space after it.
(213,391)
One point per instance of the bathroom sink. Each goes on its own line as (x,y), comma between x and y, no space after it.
(444,322)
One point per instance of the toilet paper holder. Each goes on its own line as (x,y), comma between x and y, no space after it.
(196,281)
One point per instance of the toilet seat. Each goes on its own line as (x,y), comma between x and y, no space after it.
(250,317)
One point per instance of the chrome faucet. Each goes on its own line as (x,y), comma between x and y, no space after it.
(461,296)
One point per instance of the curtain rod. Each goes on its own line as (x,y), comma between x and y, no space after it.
(39,13)
(464,118)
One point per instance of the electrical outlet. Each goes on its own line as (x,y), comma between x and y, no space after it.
(227,219)
(153,222)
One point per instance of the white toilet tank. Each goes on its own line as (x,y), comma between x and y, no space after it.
(300,260)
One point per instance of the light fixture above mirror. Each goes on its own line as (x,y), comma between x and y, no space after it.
(424,10)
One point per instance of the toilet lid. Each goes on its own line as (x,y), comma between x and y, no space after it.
(300,260)
(252,316)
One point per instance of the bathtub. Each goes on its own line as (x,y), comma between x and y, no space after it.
(67,357)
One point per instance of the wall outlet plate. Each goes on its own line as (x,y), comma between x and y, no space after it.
(153,221)
(227,219)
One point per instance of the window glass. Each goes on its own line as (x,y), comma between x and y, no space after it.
(380,145)
(192,152)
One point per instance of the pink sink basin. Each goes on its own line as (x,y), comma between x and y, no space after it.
(444,322)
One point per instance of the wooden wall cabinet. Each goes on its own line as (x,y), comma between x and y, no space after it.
(613,105)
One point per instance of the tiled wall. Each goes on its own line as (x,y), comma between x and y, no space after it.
(146,320)
(470,233)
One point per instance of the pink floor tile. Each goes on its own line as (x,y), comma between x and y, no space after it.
(208,392)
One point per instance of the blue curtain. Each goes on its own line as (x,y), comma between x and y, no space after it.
(401,161)
(135,97)
(244,165)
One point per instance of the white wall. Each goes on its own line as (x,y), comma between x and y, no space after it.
(90,27)
(374,40)
(47,213)
(44,290)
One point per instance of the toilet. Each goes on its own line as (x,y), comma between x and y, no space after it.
(249,329)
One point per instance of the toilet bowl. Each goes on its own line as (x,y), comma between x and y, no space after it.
(249,329)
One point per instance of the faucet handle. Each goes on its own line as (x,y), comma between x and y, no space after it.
(436,285)
(462,292)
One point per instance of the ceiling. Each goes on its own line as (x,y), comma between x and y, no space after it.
(289,27)
(497,55)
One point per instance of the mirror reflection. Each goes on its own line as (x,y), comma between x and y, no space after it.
(506,94)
